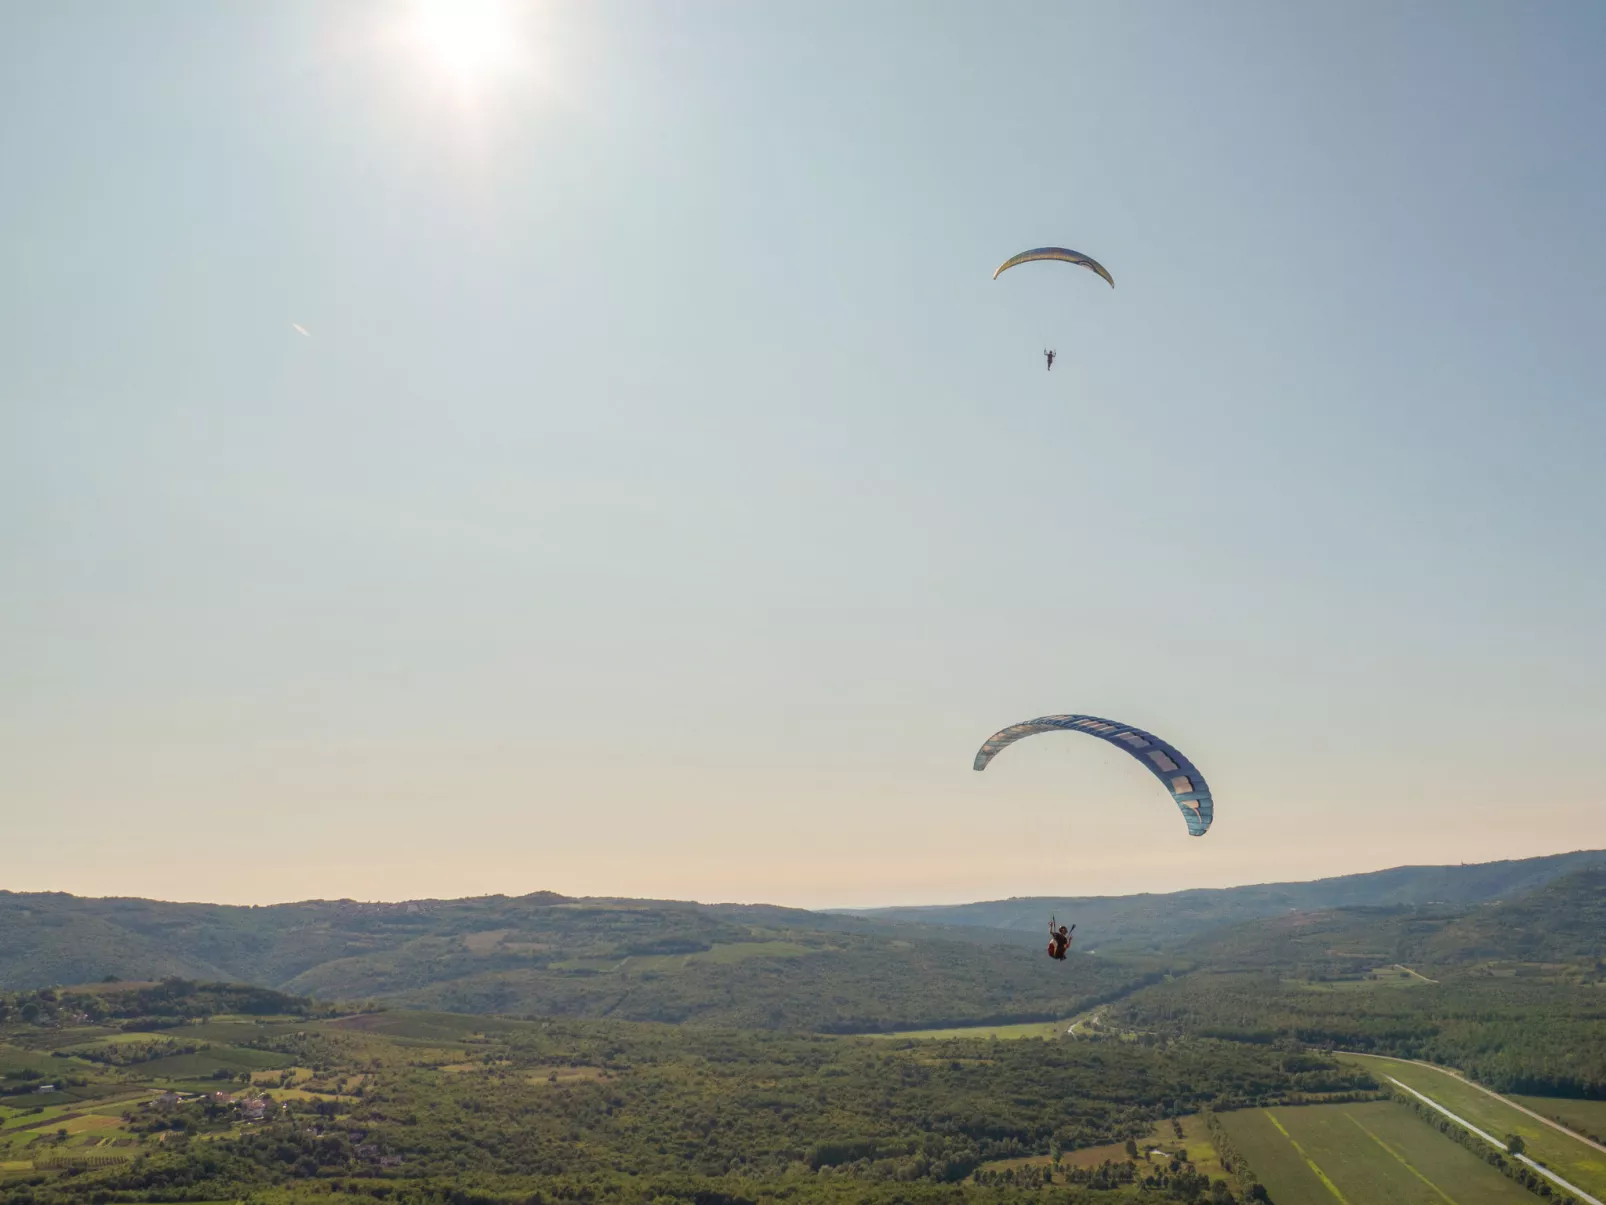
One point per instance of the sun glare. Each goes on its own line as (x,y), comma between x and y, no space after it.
(470,39)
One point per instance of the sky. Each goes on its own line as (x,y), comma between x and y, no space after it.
(595,457)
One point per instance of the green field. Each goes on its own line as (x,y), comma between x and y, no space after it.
(204,1062)
(1031,1029)
(1588,1117)
(1381,977)
(1567,1157)
(1362,1154)
(27,1120)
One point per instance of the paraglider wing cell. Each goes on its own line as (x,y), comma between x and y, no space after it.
(1181,777)
(1062,254)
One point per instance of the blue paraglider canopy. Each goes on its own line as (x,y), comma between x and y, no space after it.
(1181,777)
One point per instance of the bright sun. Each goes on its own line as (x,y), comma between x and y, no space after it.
(471,39)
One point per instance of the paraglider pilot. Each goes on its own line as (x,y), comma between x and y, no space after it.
(1049,356)
(1059,940)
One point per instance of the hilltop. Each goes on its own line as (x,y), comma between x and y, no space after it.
(1157,921)
(546,955)
(760,966)
(1508,991)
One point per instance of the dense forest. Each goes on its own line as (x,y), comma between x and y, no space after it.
(1513,993)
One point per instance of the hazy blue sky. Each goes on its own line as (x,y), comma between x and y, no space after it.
(666,502)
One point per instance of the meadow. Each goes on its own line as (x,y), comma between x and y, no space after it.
(1587,1117)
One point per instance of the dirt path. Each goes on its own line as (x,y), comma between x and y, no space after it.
(1087,1020)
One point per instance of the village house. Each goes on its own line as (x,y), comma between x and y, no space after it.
(257,1108)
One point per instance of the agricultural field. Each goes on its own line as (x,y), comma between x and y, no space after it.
(1567,1156)
(422,1099)
(1363,1154)
(116,1095)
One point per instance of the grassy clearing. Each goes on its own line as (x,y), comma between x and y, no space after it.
(24,1120)
(566,1075)
(217,1030)
(118,1105)
(86,1122)
(14,1059)
(1082,1025)
(1194,1143)
(1566,1156)
(1362,1154)
(283,1094)
(404,1027)
(1379,979)
(204,1062)
(115,1039)
(1588,1117)
(1032,1029)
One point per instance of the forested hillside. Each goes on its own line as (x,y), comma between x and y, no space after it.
(1161,921)
(778,968)
(1513,993)
(544,955)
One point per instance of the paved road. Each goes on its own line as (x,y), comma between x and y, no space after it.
(1555,1125)
(1495,1142)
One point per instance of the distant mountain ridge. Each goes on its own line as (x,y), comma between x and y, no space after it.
(756,966)
(1157,921)
(764,966)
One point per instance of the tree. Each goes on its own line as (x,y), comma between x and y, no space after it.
(1515,1145)
(1132,1149)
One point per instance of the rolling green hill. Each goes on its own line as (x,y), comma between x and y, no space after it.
(1562,922)
(779,968)
(546,955)
(1513,993)
(1160,921)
